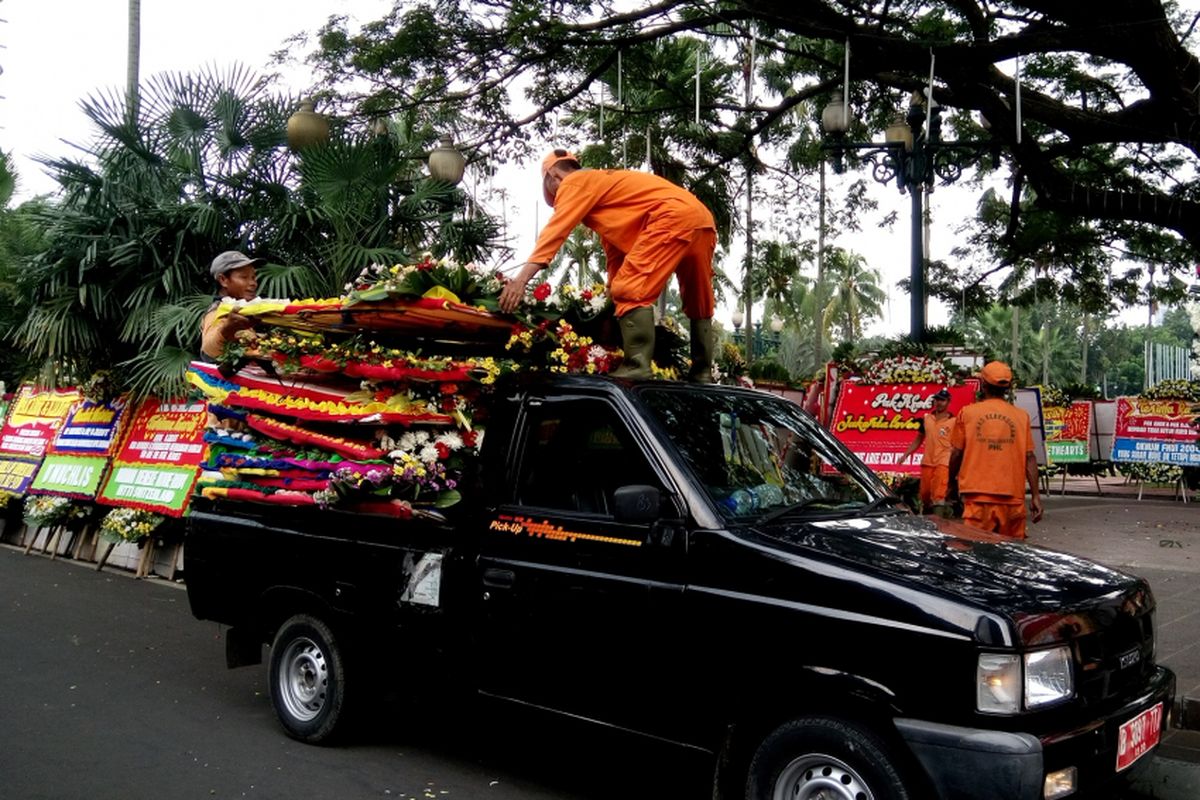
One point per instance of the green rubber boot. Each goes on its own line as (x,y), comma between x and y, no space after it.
(702,346)
(637,340)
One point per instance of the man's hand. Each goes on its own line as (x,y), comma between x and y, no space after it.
(1035,506)
(235,322)
(514,291)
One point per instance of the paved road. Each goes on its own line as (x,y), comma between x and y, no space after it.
(111,689)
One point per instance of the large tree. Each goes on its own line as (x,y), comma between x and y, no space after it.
(1106,131)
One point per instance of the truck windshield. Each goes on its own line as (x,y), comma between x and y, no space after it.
(760,456)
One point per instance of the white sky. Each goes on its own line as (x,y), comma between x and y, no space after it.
(57,52)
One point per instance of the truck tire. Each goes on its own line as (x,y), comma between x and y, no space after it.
(827,758)
(307,679)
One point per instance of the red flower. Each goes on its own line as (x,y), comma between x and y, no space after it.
(443,451)
(541,292)
(587,294)
(448,404)
(448,388)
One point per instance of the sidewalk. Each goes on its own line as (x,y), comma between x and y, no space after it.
(1157,538)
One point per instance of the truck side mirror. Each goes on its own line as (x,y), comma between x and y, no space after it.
(637,503)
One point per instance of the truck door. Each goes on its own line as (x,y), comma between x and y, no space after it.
(580,610)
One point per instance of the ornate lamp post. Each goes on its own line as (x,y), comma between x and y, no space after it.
(912,154)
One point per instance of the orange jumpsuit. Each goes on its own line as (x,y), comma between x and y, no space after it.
(995,438)
(935,463)
(649,228)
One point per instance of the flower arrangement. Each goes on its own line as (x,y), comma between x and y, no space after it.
(568,300)
(1053,396)
(905,369)
(99,388)
(1174,390)
(46,510)
(565,349)
(129,524)
(425,468)
(1151,473)
(428,277)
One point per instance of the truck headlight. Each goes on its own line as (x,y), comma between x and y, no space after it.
(1008,683)
(1048,677)
(998,689)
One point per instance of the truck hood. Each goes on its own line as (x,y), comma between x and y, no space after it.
(1038,589)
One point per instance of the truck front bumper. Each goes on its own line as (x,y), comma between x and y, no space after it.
(1000,765)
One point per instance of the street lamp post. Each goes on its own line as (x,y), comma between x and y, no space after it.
(913,154)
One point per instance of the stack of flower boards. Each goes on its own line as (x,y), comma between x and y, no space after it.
(369,402)
(328,415)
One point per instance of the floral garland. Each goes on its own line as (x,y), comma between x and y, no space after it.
(358,357)
(905,369)
(46,510)
(129,524)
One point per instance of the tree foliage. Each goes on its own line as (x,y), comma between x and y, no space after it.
(1101,159)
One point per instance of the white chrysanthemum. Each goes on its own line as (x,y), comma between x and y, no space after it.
(428,454)
(451,440)
(596,352)
(597,303)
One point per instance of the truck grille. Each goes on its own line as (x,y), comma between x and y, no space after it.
(1116,659)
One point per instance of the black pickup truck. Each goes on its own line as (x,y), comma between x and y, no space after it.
(704,565)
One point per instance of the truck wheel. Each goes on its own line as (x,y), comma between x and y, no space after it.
(821,757)
(308,679)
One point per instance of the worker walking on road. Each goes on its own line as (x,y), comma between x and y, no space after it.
(650,229)
(991,459)
(936,429)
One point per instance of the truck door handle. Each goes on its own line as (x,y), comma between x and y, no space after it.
(499,578)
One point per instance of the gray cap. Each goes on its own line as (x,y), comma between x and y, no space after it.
(231,260)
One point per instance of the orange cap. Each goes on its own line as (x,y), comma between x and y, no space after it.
(997,373)
(556,155)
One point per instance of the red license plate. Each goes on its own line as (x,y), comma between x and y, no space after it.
(1138,736)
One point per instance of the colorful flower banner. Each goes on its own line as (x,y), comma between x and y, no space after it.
(33,419)
(1155,431)
(165,432)
(1068,431)
(16,474)
(91,428)
(70,476)
(165,489)
(878,421)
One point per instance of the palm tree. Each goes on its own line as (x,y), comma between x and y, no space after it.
(202,168)
(855,294)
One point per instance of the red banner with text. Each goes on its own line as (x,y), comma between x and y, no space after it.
(878,421)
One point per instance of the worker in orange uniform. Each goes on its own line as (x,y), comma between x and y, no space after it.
(991,459)
(936,429)
(650,229)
